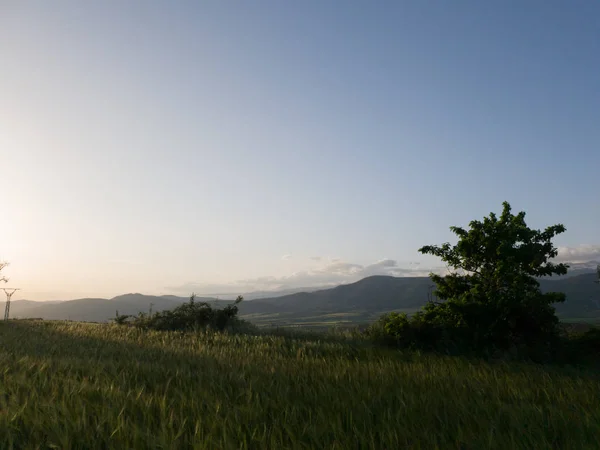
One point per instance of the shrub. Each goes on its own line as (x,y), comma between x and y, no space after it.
(580,347)
(190,316)
(417,332)
(121,319)
(393,328)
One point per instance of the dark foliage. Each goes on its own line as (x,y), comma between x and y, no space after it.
(121,319)
(580,347)
(189,316)
(491,302)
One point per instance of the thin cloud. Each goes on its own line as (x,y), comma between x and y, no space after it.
(336,272)
(286,257)
(579,254)
(327,275)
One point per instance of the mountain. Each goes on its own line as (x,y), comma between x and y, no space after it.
(580,268)
(101,309)
(361,301)
(20,308)
(583,295)
(265,294)
(375,293)
(278,293)
(94,309)
(372,296)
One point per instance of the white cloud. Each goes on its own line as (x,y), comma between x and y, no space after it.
(333,273)
(286,257)
(579,254)
(328,272)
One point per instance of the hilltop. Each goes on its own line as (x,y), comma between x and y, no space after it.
(361,301)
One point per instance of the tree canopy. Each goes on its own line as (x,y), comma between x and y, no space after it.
(492,292)
(491,299)
(497,254)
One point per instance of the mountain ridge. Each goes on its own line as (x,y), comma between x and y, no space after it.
(364,299)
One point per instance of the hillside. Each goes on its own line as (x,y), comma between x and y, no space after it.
(583,296)
(374,293)
(357,302)
(101,309)
(22,308)
(92,309)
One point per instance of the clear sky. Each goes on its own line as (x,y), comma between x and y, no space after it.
(164,147)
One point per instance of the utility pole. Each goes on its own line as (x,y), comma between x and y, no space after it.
(9,293)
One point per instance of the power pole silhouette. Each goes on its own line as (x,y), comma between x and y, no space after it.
(9,293)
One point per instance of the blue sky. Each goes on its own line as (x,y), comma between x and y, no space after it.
(160,147)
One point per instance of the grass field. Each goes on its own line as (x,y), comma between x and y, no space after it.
(76,386)
(319,321)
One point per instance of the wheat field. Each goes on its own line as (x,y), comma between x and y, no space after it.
(97,386)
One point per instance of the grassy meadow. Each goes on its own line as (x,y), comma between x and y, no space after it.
(86,386)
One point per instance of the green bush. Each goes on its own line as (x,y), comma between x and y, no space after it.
(190,316)
(417,332)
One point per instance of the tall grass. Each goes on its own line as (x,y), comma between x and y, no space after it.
(88,386)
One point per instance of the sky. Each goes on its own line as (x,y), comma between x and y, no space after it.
(228,146)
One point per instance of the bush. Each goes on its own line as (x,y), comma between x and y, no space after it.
(417,333)
(121,319)
(394,328)
(580,347)
(189,316)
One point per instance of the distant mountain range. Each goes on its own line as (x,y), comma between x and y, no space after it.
(361,301)
(264,294)
(580,268)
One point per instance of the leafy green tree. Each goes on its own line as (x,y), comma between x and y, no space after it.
(492,298)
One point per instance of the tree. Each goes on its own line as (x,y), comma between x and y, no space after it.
(2,266)
(492,297)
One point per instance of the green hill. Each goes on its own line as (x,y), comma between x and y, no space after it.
(358,302)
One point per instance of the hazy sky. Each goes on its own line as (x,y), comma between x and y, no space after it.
(164,147)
